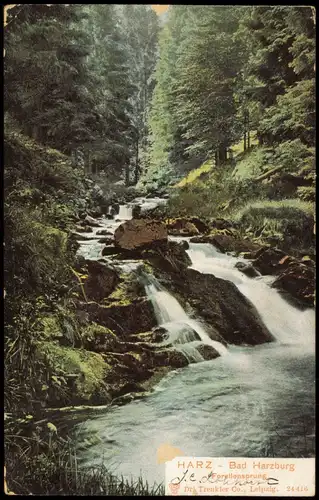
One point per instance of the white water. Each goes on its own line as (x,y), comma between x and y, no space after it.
(172,317)
(262,405)
(288,324)
(125,213)
(91,248)
(149,203)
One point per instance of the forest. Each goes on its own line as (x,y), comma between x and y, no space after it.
(159,171)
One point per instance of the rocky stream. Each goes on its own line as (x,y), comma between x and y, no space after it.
(241,381)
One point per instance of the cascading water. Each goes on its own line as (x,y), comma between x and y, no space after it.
(91,248)
(288,324)
(125,213)
(263,405)
(171,316)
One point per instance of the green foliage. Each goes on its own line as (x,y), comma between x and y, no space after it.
(282,59)
(193,110)
(52,101)
(293,114)
(86,83)
(86,369)
(293,155)
(253,164)
(45,463)
(41,198)
(140,31)
(288,156)
(208,65)
(216,195)
(289,221)
(36,255)
(165,134)
(196,174)
(307,193)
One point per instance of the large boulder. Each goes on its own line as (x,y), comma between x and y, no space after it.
(90,221)
(298,282)
(139,233)
(270,260)
(229,316)
(186,226)
(227,243)
(170,257)
(101,280)
(221,224)
(123,319)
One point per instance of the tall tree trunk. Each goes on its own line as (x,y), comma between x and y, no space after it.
(248,131)
(127,174)
(35,133)
(137,167)
(87,162)
(222,154)
(313,9)
(217,162)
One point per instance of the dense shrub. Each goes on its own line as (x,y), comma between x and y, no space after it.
(291,221)
(40,461)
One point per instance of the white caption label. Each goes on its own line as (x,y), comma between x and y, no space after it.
(240,476)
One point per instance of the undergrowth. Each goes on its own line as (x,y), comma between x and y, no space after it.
(274,208)
(40,462)
(289,223)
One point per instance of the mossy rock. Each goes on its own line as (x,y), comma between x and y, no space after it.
(78,376)
(98,338)
(62,325)
(170,257)
(230,318)
(128,289)
(51,327)
(100,281)
(54,240)
(227,242)
(124,320)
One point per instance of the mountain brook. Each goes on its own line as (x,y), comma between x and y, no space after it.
(250,401)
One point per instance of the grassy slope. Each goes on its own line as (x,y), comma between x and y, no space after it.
(265,209)
(208,166)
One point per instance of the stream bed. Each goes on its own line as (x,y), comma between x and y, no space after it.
(249,402)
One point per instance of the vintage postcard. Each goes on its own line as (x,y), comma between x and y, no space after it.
(159,250)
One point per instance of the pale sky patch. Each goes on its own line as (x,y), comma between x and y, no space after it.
(160,9)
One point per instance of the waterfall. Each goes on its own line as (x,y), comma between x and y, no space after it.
(125,213)
(184,332)
(287,324)
(243,404)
